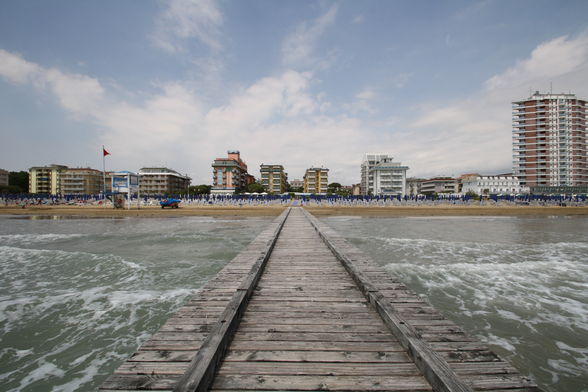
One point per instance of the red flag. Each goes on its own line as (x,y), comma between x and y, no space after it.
(105,152)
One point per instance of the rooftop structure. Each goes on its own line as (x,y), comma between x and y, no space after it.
(549,140)
(380,175)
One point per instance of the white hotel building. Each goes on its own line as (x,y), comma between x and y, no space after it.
(504,184)
(380,175)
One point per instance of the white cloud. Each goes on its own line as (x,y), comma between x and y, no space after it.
(549,60)
(366,94)
(298,48)
(400,80)
(276,119)
(76,93)
(17,70)
(359,19)
(186,19)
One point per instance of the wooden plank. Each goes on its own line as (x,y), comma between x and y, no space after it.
(256,345)
(319,369)
(145,382)
(163,356)
(152,368)
(322,383)
(311,326)
(315,337)
(317,356)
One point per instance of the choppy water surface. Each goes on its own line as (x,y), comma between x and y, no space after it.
(517,283)
(77,296)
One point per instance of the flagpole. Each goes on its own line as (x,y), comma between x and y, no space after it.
(103,178)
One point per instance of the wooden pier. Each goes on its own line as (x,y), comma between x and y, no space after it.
(301,309)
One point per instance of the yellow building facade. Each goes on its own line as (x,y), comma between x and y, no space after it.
(316,180)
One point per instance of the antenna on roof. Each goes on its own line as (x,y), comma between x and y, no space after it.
(551,87)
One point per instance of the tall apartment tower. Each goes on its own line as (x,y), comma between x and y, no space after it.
(380,175)
(549,141)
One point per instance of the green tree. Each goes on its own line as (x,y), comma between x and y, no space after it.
(200,189)
(473,195)
(335,186)
(255,188)
(10,189)
(19,179)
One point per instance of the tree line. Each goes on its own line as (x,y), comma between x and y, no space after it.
(18,182)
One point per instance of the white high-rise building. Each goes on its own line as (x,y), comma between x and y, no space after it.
(380,175)
(549,140)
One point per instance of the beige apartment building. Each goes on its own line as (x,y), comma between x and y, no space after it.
(62,180)
(46,179)
(316,180)
(439,185)
(161,181)
(81,181)
(273,178)
(296,183)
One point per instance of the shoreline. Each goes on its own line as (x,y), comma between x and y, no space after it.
(275,210)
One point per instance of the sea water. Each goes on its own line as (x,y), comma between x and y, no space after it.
(78,296)
(519,284)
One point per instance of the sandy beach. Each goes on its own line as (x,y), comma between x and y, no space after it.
(274,210)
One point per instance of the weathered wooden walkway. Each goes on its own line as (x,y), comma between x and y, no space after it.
(301,309)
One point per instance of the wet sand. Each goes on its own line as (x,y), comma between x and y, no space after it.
(444,210)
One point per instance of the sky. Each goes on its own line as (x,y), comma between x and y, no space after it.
(299,83)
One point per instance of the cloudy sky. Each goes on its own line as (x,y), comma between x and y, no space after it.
(298,83)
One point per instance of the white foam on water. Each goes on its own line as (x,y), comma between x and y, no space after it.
(124,298)
(29,239)
(42,371)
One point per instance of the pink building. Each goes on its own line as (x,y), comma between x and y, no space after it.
(229,174)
